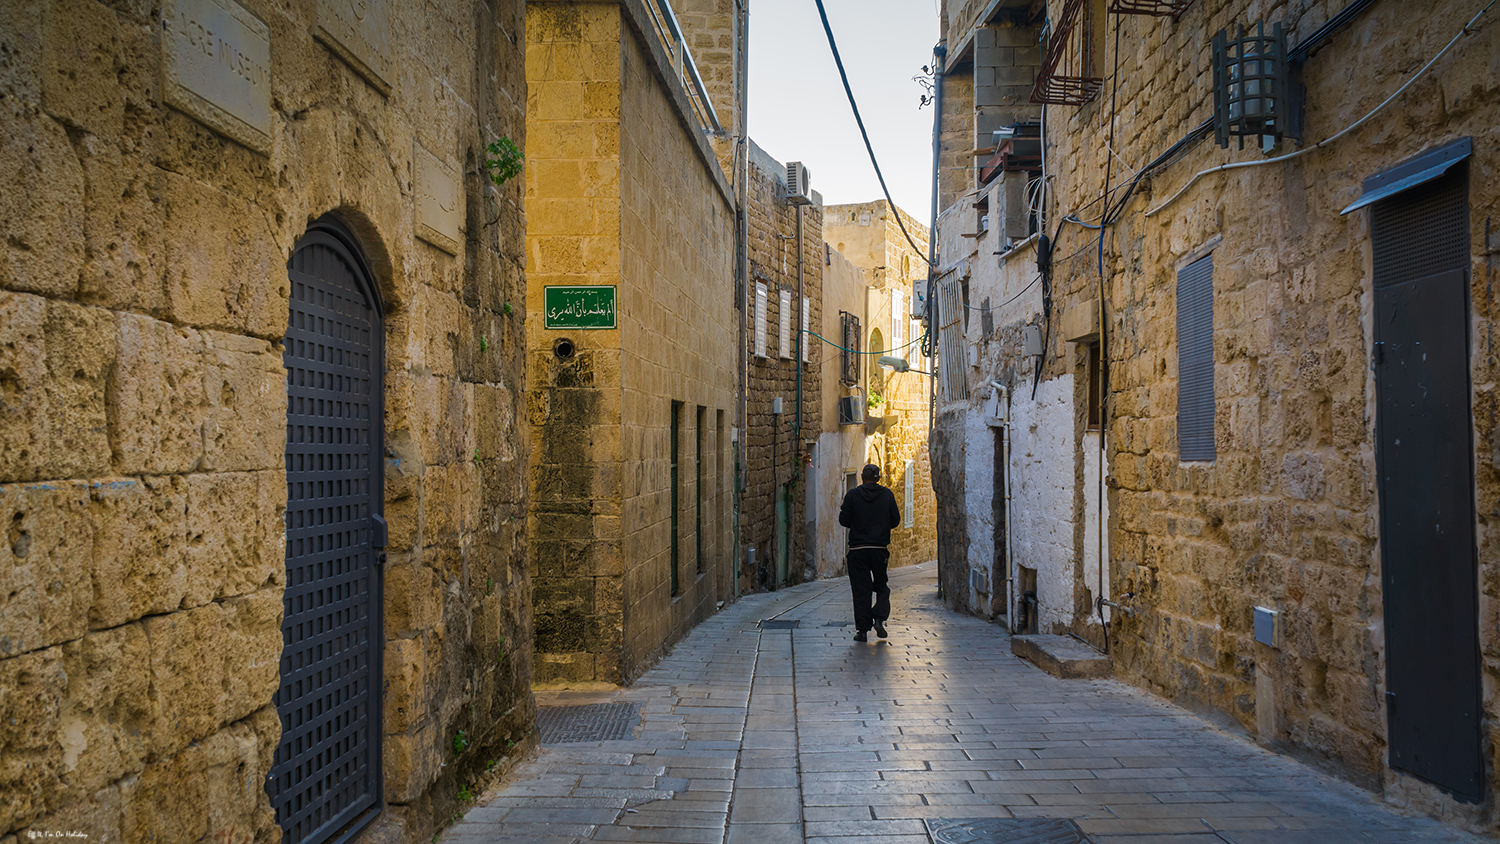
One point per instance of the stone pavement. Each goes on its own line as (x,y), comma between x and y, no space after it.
(770,736)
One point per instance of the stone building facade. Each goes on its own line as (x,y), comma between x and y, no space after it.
(898,404)
(262,360)
(784,412)
(630,527)
(1245,337)
(840,453)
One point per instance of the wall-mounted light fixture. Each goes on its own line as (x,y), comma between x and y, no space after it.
(1250,84)
(899,365)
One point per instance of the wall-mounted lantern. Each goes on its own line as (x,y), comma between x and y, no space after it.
(1251,92)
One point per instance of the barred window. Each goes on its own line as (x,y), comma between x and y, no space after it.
(849,339)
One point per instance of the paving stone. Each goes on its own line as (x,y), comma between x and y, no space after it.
(805,737)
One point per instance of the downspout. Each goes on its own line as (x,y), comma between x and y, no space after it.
(941,53)
(796,449)
(742,238)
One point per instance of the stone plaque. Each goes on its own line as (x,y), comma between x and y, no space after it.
(218,68)
(439,201)
(359,31)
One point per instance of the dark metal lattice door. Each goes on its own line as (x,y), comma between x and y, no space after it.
(1424,455)
(326,774)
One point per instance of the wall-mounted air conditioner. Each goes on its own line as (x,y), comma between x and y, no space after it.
(797,190)
(852,410)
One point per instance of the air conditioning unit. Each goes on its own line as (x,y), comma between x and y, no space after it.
(797,190)
(852,410)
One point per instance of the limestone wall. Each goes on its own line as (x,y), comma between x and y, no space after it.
(841,448)
(624,192)
(1287,515)
(144,294)
(773,445)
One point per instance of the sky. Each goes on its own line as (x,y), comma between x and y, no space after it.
(798,111)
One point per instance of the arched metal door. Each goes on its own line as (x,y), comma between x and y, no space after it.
(325,782)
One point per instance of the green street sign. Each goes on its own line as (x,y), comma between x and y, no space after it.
(582,306)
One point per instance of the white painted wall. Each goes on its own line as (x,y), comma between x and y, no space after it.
(837,453)
(1090,449)
(1042,460)
(979,482)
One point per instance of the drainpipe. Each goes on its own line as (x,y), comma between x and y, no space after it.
(742,239)
(940,52)
(797,361)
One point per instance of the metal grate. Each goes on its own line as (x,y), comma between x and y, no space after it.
(589,722)
(780,623)
(1424,232)
(1004,831)
(849,337)
(325,771)
(1195,360)
(1069,74)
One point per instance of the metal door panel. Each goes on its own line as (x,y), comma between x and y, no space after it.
(326,774)
(1427,530)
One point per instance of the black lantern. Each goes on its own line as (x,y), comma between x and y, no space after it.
(1250,84)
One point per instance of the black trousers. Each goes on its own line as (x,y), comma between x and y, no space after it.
(866,578)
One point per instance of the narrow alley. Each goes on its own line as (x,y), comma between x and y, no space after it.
(768,725)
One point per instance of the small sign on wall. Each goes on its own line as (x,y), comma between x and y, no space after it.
(217,68)
(439,201)
(579,306)
(359,31)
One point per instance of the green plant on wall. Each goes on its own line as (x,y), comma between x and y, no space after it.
(876,402)
(503,161)
(460,742)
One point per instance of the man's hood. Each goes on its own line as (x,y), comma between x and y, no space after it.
(869,491)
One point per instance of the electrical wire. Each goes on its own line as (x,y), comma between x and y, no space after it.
(853,352)
(1236,165)
(848,92)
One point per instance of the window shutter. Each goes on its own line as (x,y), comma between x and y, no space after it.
(760,319)
(785,335)
(907,519)
(898,322)
(1195,360)
(804,337)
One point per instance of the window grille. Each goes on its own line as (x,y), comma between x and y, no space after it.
(849,338)
(1069,74)
(1195,360)
(804,338)
(951,345)
(898,323)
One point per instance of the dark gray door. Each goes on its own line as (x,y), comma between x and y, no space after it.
(325,781)
(1426,480)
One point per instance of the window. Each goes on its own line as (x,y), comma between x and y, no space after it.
(849,337)
(676,484)
(898,322)
(1093,385)
(785,335)
(804,338)
(1195,360)
(760,319)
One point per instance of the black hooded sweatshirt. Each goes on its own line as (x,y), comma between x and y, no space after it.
(869,512)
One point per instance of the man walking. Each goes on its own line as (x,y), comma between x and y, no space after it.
(869,512)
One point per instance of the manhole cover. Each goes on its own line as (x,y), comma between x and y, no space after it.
(837,623)
(1004,831)
(590,722)
(779,623)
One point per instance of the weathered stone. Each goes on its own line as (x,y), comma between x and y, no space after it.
(44,565)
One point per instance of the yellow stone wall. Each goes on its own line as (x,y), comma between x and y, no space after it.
(623,191)
(1287,516)
(143,298)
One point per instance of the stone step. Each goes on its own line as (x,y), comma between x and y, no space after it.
(1061,656)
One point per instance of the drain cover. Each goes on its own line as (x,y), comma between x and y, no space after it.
(838,624)
(779,623)
(590,722)
(1004,831)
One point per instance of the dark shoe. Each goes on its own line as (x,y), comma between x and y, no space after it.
(861,637)
(879,628)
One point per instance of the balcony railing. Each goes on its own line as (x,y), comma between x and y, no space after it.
(670,33)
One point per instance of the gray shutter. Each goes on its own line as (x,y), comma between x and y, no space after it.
(1195,360)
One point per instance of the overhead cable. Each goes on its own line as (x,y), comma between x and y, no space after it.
(866,135)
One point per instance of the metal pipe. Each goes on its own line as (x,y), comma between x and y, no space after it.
(940,53)
(742,237)
(1130,611)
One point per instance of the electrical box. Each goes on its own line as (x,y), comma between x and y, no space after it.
(979,581)
(1031,340)
(919,300)
(776,406)
(1268,627)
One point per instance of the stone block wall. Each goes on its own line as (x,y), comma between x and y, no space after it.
(143,300)
(1287,515)
(676,315)
(773,446)
(624,191)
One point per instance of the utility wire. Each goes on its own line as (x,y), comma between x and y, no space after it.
(853,352)
(866,135)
